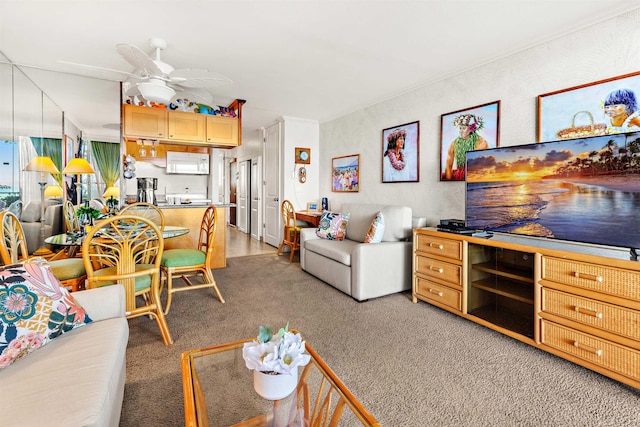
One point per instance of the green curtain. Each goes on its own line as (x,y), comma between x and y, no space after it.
(50,147)
(107,157)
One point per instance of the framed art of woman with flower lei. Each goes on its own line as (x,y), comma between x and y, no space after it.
(400,157)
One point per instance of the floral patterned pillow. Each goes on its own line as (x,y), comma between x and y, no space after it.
(332,226)
(376,229)
(34,309)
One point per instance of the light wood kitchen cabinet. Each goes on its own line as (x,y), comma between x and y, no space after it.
(222,130)
(144,122)
(181,127)
(582,307)
(185,126)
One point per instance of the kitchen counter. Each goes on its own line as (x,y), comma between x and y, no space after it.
(195,205)
(190,216)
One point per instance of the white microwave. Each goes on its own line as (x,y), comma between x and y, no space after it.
(187,163)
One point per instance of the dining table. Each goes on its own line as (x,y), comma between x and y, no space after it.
(76,238)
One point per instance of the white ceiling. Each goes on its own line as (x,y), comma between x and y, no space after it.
(310,59)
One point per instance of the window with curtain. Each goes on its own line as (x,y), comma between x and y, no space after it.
(106,156)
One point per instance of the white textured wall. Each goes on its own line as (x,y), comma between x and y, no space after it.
(602,51)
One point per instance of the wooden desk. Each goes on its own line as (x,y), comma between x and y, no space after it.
(313,218)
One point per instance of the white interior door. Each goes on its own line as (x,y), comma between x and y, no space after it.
(244,169)
(255,224)
(272,224)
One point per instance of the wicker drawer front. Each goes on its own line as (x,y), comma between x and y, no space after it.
(601,352)
(438,246)
(439,293)
(439,270)
(608,317)
(613,281)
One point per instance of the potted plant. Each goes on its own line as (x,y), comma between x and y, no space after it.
(86,214)
(275,360)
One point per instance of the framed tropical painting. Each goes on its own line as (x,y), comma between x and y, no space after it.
(475,128)
(401,153)
(345,173)
(605,107)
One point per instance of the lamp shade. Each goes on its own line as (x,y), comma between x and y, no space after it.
(42,164)
(112,192)
(53,191)
(156,92)
(78,166)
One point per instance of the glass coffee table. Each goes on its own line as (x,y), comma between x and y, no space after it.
(218,391)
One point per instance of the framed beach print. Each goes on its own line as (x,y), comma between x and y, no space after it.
(345,175)
(605,107)
(475,128)
(401,153)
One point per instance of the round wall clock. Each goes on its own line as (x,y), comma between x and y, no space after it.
(303,155)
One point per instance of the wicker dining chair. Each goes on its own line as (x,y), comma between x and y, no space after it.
(127,249)
(192,262)
(145,210)
(13,249)
(291,235)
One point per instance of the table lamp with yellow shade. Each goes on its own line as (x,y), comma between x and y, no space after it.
(53,191)
(78,166)
(44,165)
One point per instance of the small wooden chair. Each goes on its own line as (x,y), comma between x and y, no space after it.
(192,262)
(291,236)
(13,249)
(127,249)
(145,210)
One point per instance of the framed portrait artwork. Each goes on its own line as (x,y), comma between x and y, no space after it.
(605,107)
(345,175)
(401,153)
(475,128)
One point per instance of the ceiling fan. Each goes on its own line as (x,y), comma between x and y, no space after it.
(156,81)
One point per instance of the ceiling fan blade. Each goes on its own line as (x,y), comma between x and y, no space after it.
(193,77)
(136,57)
(94,67)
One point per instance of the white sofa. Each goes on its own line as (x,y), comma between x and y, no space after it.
(78,378)
(363,270)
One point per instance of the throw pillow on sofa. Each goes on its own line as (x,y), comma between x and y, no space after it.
(376,229)
(34,309)
(332,226)
(16,208)
(31,212)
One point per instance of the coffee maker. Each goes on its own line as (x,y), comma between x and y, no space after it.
(147,190)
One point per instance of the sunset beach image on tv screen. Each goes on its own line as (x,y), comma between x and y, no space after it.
(584,190)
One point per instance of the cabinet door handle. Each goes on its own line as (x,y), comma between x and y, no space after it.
(436,246)
(596,351)
(589,312)
(433,291)
(586,276)
(436,269)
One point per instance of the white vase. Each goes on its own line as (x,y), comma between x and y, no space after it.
(274,387)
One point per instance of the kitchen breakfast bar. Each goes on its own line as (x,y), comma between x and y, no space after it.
(190,216)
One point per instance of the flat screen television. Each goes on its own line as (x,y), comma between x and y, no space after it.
(585,190)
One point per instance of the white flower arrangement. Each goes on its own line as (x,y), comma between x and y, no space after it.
(275,354)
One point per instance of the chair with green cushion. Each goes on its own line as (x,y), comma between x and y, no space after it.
(13,249)
(127,249)
(192,262)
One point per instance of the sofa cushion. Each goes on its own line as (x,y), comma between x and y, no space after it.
(332,226)
(376,229)
(339,251)
(31,212)
(34,309)
(16,208)
(397,220)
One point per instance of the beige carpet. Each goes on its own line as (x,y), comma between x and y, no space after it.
(409,364)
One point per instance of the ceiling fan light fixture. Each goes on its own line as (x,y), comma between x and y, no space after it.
(156,93)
